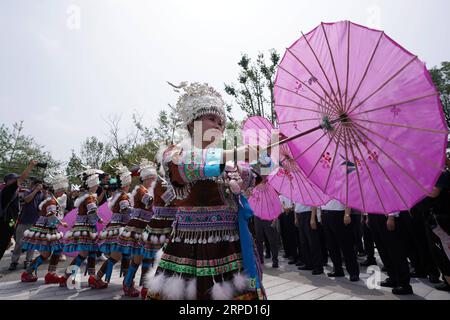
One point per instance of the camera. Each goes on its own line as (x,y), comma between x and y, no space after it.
(110,186)
(47,186)
(42,165)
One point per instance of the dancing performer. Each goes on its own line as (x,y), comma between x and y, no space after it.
(130,240)
(82,237)
(210,253)
(44,236)
(158,230)
(121,204)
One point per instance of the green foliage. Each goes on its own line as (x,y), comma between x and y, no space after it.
(441,78)
(17,149)
(254,94)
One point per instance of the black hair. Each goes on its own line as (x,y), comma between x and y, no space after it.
(119,182)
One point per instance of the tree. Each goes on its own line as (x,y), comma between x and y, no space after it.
(441,78)
(166,131)
(17,149)
(256,82)
(95,153)
(74,167)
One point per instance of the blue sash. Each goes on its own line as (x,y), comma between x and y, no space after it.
(248,254)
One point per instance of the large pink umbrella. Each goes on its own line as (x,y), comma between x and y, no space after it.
(103,211)
(265,202)
(288,179)
(363,116)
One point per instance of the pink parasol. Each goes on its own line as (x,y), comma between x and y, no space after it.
(363,117)
(103,211)
(265,202)
(288,179)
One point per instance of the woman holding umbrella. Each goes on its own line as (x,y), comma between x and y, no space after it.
(204,259)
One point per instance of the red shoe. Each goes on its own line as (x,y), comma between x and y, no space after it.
(63,282)
(52,278)
(144,292)
(97,284)
(27,277)
(130,291)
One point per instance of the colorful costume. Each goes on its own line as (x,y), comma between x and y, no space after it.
(203,258)
(44,236)
(83,234)
(82,237)
(132,239)
(158,231)
(121,205)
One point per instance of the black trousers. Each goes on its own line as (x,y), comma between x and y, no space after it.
(267,245)
(264,228)
(323,243)
(390,248)
(369,245)
(340,239)
(425,262)
(6,232)
(408,239)
(437,252)
(357,232)
(310,242)
(289,235)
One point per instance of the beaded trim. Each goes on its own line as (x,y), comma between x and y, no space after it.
(168,212)
(141,214)
(201,272)
(202,263)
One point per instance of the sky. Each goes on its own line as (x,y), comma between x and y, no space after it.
(67,66)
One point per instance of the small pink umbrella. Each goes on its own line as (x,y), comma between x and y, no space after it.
(363,117)
(288,179)
(103,211)
(265,202)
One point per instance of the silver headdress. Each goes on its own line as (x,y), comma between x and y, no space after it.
(147,169)
(198,100)
(91,176)
(124,174)
(57,180)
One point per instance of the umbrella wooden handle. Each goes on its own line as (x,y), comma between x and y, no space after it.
(322,126)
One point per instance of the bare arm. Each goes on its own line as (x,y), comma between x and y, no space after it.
(26,172)
(347,217)
(313,220)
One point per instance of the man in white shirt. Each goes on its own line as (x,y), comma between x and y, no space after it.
(306,221)
(336,222)
(288,230)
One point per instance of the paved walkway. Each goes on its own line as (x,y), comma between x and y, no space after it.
(285,283)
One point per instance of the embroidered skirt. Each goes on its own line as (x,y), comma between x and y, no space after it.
(202,259)
(82,236)
(109,237)
(130,240)
(157,231)
(43,236)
